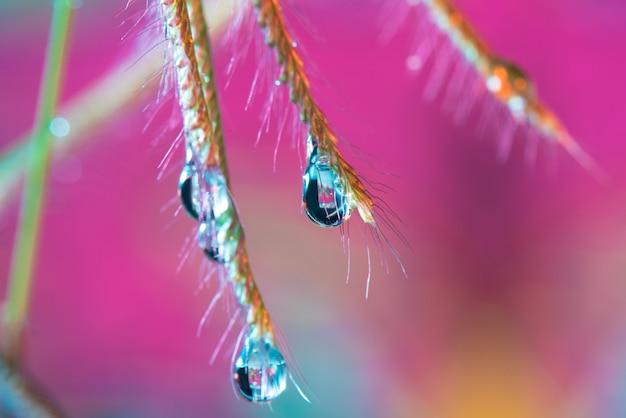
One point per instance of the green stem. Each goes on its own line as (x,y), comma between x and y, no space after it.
(39,153)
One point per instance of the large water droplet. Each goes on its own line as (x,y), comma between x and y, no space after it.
(218,234)
(323,197)
(260,371)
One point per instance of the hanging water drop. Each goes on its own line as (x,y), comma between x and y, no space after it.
(218,234)
(324,195)
(207,240)
(260,372)
(186,190)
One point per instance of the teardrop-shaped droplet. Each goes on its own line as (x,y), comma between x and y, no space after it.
(218,234)
(207,240)
(186,191)
(323,197)
(260,371)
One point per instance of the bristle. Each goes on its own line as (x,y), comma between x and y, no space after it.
(477,72)
(270,18)
(205,178)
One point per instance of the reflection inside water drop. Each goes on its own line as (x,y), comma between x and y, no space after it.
(324,196)
(260,372)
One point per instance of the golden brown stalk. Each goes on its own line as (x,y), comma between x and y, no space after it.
(202,44)
(259,369)
(200,122)
(292,74)
(196,122)
(507,83)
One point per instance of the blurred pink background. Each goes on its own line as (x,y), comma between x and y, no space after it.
(515,302)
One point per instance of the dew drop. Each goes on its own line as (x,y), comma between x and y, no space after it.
(323,196)
(218,234)
(207,240)
(260,372)
(186,191)
(204,195)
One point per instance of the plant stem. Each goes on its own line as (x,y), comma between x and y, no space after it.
(20,279)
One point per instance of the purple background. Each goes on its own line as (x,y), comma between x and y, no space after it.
(515,302)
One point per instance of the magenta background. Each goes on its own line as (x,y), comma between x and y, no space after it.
(515,303)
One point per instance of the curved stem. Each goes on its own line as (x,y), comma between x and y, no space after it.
(202,42)
(37,163)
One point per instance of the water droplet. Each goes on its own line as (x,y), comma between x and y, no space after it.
(204,195)
(218,234)
(323,197)
(186,190)
(207,239)
(260,371)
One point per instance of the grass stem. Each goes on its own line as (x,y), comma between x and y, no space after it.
(20,279)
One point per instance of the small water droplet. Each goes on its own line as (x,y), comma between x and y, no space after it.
(218,235)
(260,371)
(207,239)
(186,190)
(323,197)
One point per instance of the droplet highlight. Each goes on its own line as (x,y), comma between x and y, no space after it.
(323,196)
(60,127)
(260,372)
